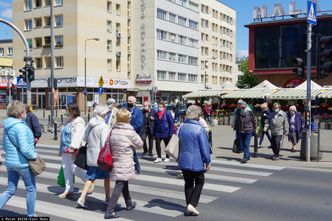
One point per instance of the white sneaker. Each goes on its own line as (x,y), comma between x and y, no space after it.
(167,160)
(192,209)
(158,160)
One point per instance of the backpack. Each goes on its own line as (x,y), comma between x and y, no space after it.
(105,161)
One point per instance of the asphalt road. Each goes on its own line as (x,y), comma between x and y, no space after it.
(233,192)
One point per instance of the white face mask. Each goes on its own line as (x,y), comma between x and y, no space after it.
(276,110)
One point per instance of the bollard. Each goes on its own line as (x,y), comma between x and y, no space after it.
(55,130)
(255,144)
(88,117)
(49,119)
(61,118)
(44,114)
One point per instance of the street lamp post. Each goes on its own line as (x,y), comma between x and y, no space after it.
(85,89)
(205,67)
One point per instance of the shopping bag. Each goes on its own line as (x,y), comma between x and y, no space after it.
(80,160)
(172,148)
(236,146)
(105,160)
(61,178)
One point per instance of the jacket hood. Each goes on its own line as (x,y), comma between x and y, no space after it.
(124,126)
(96,120)
(11,121)
(192,122)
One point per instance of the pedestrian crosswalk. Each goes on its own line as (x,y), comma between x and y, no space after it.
(157,191)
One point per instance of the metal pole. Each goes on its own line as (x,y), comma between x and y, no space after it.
(309,47)
(85,90)
(8,87)
(52,61)
(27,59)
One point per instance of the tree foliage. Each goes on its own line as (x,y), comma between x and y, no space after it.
(248,80)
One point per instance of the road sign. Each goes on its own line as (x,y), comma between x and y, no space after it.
(100,90)
(312,13)
(101,81)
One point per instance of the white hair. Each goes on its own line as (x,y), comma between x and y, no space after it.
(193,112)
(101,110)
(292,108)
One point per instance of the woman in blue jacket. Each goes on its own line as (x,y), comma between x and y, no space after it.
(194,157)
(18,143)
(163,129)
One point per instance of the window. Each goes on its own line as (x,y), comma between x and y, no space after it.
(58,41)
(109,64)
(182,58)
(109,26)
(58,20)
(172,17)
(172,57)
(172,76)
(161,14)
(192,78)
(118,64)
(28,24)
(38,42)
(29,42)
(183,2)
(162,55)
(118,9)
(193,24)
(38,22)
(109,6)
(47,21)
(47,41)
(2,52)
(192,60)
(161,35)
(182,21)
(193,42)
(118,27)
(28,5)
(109,45)
(182,40)
(39,63)
(59,62)
(161,75)
(47,2)
(38,3)
(47,62)
(182,77)
(193,6)
(58,2)
(10,51)
(172,37)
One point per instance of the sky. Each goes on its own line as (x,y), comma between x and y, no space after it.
(244,10)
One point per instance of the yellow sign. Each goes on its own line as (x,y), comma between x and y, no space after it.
(101,81)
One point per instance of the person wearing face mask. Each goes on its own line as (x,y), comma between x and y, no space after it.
(265,116)
(137,123)
(278,125)
(296,126)
(148,114)
(163,129)
(33,123)
(110,119)
(246,128)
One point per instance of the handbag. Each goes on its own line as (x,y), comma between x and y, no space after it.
(61,178)
(37,165)
(172,148)
(80,160)
(105,160)
(236,146)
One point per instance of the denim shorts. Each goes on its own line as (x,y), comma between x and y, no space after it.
(94,173)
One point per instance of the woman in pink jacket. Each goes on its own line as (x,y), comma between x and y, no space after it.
(123,141)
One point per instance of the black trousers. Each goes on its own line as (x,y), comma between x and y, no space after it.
(194,182)
(158,147)
(150,139)
(275,144)
(120,187)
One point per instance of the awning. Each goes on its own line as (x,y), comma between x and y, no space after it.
(249,93)
(325,93)
(293,94)
(205,93)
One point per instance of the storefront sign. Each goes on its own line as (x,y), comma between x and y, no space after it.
(143,79)
(291,83)
(277,10)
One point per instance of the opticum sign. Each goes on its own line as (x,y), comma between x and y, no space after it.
(278,10)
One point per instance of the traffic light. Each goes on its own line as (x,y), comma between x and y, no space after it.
(324,62)
(299,67)
(30,73)
(24,74)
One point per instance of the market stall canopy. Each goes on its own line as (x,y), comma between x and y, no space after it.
(325,93)
(303,86)
(260,91)
(226,87)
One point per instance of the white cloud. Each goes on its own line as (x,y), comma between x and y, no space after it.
(242,53)
(7,13)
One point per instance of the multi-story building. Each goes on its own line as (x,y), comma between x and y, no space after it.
(96,30)
(173,41)
(6,69)
(217,44)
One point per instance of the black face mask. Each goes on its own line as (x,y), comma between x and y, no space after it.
(130,105)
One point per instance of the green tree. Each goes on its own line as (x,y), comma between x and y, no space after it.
(248,80)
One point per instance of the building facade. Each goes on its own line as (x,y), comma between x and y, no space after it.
(91,37)
(274,43)
(7,73)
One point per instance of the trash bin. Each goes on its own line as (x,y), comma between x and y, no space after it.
(313,147)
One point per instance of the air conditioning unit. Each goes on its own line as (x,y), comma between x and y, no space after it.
(118,53)
(118,35)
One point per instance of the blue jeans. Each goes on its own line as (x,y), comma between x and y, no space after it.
(137,164)
(30,186)
(245,143)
